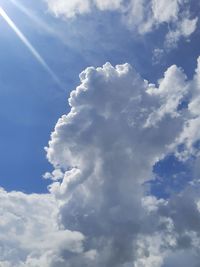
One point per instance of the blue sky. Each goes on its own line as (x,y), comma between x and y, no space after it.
(116,151)
(31,102)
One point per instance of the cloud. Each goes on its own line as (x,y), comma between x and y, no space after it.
(188,141)
(99,211)
(157,55)
(108,5)
(29,232)
(141,16)
(119,126)
(146,16)
(69,9)
(183,29)
(172,90)
(165,11)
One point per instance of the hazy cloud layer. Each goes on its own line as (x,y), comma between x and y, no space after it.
(99,211)
(141,16)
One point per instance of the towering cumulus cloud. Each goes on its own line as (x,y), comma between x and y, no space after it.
(119,126)
(99,211)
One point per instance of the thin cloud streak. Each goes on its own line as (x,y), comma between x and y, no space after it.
(33,51)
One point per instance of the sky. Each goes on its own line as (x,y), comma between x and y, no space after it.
(99,112)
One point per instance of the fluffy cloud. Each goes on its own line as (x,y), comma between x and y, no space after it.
(140,15)
(69,8)
(29,232)
(119,126)
(98,211)
(189,139)
(165,11)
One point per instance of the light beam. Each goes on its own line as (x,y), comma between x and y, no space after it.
(26,42)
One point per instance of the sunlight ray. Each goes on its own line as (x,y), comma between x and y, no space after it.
(26,42)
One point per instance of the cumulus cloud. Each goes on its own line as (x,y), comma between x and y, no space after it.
(189,139)
(119,126)
(99,211)
(142,16)
(29,232)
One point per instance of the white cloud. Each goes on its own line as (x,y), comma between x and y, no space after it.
(184,28)
(142,16)
(190,135)
(78,136)
(56,174)
(165,11)
(103,151)
(108,4)
(119,126)
(68,9)
(29,231)
(172,89)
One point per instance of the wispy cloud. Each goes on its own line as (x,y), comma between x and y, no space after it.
(141,16)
